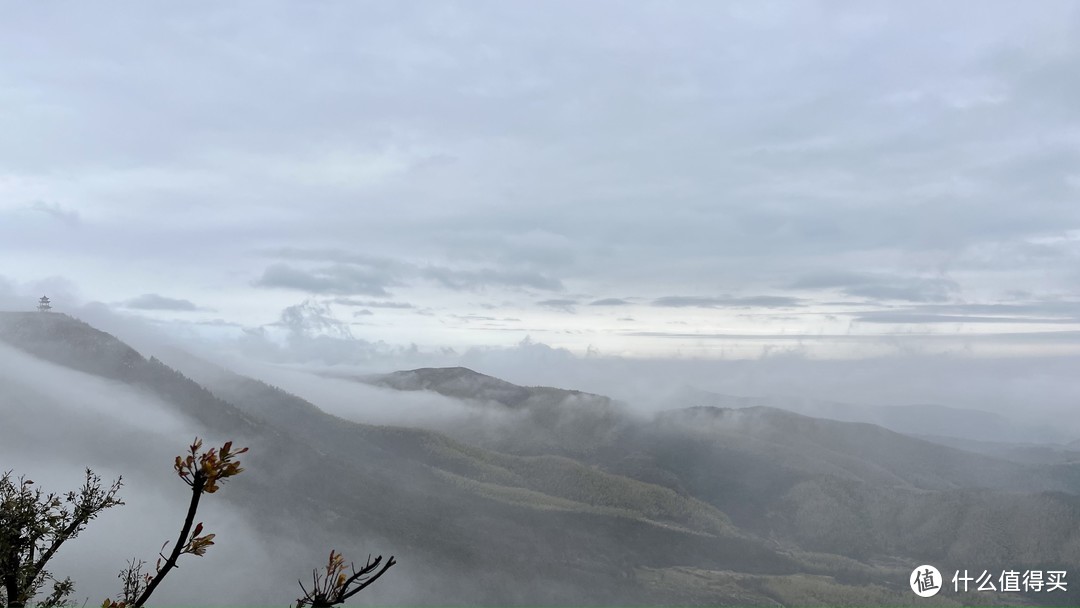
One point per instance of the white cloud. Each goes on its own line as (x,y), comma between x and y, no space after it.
(485,154)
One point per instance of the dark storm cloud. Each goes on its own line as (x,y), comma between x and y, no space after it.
(153,301)
(727,302)
(341,279)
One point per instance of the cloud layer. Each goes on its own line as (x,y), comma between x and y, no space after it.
(716,165)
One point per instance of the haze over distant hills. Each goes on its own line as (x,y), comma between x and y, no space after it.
(464,383)
(546,495)
(916,419)
(563,302)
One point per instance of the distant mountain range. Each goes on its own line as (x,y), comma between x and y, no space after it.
(464,383)
(919,419)
(549,496)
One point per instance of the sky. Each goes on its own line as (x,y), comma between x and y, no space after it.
(717,180)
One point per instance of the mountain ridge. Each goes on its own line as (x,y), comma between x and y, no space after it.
(772,495)
(379,460)
(909,419)
(466,383)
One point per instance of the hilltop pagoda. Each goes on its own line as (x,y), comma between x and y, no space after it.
(44,305)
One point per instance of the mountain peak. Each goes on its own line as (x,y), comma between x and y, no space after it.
(459,382)
(455,372)
(465,383)
(68,341)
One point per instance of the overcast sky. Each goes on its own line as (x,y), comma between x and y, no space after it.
(642,178)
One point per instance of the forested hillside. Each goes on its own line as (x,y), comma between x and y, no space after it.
(755,506)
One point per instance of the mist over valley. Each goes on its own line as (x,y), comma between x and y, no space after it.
(622,303)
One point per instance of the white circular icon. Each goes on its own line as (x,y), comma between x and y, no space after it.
(926,581)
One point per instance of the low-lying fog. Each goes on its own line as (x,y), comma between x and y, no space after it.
(1037,391)
(54,422)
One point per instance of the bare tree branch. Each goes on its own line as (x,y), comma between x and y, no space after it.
(334,586)
(203,472)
